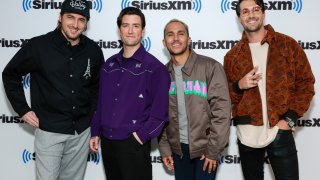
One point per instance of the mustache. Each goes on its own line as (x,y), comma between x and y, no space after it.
(252,18)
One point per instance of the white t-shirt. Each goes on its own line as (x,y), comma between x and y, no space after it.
(259,136)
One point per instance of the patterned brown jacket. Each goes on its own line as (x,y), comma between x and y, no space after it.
(289,84)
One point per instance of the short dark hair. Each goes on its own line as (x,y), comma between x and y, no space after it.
(177,21)
(258,2)
(131,11)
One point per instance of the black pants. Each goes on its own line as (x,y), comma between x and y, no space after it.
(126,159)
(282,155)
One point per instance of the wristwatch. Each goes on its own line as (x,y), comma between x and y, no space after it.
(290,122)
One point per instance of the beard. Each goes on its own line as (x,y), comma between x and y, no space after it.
(70,36)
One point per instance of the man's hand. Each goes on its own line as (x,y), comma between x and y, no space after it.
(168,162)
(209,164)
(250,80)
(282,124)
(31,118)
(94,143)
(137,137)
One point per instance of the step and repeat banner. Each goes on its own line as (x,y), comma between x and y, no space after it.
(214,29)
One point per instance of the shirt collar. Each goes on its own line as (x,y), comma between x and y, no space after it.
(188,66)
(138,55)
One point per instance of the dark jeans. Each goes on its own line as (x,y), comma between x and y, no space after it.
(126,159)
(190,169)
(282,155)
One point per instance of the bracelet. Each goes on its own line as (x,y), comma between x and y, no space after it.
(290,122)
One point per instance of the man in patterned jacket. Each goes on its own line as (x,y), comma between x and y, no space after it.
(271,85)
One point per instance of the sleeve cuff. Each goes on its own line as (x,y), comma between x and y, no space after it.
(94,131)
(236,87)
(290,114)
(142,136)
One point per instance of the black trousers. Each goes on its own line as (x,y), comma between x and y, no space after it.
(126,159)
(282,155)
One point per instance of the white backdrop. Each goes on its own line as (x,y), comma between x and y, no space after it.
(213,29)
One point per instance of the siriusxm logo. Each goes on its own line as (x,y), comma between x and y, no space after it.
(229,159)
(219,44)
(10,119)
(43,4)
(26,81)
(96,5)
(156,159)
(225,5)
(94,157)
(110,44)
(119,44)
(146,43)
(295,5)
(314,122)
(194,5)
(235,159)
(315,45)
(28,156)
(228,44)
(13,43)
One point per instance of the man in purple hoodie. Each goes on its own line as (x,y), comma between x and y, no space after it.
(132,106)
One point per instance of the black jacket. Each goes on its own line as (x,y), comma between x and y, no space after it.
(63,79)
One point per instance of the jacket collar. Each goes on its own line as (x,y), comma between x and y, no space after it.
(188,66)
(138,55)
(243,45)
